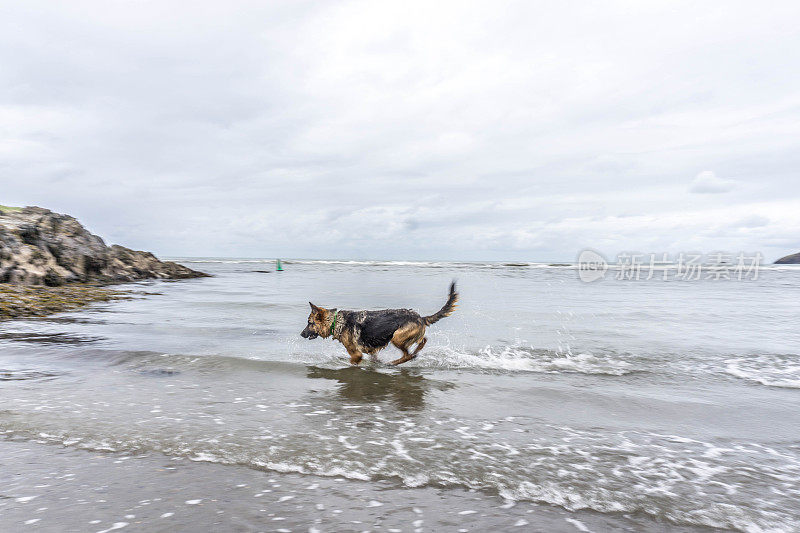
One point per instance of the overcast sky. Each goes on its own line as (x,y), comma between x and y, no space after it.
(407,130)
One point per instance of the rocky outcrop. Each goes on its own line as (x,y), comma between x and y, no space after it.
(39,247)
(793,259)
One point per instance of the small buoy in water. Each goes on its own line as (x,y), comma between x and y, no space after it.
(279,266)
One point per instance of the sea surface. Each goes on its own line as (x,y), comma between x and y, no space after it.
(542,404)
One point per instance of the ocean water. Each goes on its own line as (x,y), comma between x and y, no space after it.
(543,403)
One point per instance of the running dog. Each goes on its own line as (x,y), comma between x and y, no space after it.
(371,331)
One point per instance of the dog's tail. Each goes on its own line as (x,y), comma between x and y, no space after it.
(447,310)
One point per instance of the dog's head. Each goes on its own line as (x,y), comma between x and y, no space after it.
(319,322)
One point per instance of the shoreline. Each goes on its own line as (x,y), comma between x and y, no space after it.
(55,488)
(24,301)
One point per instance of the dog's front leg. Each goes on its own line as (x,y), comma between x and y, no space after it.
(355,356)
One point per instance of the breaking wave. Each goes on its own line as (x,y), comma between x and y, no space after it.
(518,359)
(771,370)
(678,479)
(503,358)
(489,359)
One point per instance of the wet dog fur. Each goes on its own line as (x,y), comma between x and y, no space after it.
(371,331)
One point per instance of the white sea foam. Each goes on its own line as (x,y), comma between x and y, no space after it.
(683,479)
(507,358)
(521,359)
(772,370)
(580,526)
(115,525)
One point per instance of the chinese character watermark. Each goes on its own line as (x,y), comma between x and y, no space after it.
(717,266)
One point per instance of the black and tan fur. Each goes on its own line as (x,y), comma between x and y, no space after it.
(371,331)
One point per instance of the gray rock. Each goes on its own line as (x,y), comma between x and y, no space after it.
(39,247)
(793,259)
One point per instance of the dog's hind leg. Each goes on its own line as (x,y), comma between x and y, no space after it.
(420,345)
(355,356)
(402,343)
(404,338)
(406,356)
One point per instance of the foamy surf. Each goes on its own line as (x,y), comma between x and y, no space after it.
(664,476)
(770,370)
(520,359)
(490,358)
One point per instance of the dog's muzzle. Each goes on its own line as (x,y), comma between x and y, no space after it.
(306,334)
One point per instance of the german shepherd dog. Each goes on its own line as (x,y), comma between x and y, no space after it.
(371,331)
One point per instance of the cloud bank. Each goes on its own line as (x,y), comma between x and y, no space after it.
(514,130)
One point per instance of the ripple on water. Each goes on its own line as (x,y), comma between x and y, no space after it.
(27,375)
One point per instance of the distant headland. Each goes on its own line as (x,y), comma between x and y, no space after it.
(792,259)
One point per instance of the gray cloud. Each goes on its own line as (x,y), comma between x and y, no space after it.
(405,130)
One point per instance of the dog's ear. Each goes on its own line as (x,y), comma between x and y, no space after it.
(314,307)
